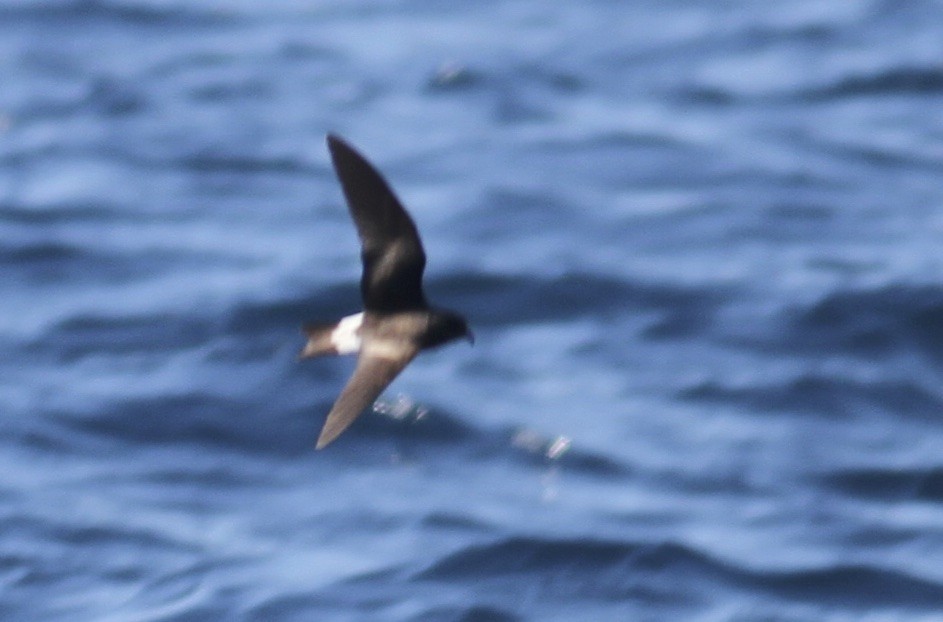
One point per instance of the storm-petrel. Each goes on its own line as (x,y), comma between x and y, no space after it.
(397,322)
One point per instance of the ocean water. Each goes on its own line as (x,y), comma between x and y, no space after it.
(700,244)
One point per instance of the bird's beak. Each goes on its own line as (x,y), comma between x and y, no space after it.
(470,336)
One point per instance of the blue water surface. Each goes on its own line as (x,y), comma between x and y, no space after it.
(700,244)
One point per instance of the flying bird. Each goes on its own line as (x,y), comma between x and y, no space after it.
(396,322)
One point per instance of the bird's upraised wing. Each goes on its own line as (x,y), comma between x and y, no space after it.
(393,259)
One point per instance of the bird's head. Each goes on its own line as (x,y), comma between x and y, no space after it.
(448,326)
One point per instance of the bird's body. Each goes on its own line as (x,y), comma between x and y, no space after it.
(397,322)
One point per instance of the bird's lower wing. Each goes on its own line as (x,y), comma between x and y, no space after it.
(373,374)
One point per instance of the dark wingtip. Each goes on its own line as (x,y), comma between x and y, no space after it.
(335,142)
(346,159)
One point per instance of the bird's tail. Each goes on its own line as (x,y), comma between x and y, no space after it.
(319,340)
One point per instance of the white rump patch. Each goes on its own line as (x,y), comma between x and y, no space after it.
(346,337)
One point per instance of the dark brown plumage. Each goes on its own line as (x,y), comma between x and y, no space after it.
(397,322)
